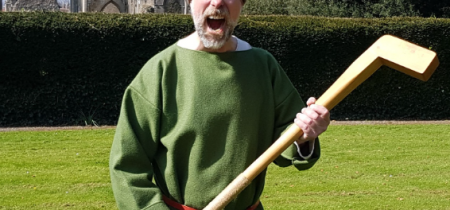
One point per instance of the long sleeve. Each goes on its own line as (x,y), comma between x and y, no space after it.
(133,149)
(291,157)
(288,104)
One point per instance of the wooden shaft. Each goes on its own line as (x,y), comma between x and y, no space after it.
(361,69)
(245,178)
(341,88)
(281,144)
(229,193)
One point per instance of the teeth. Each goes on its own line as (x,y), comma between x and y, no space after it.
(216,17)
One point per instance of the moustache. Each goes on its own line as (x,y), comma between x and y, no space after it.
(211,11)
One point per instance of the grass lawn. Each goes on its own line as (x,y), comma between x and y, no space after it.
(362,167)
(55,170)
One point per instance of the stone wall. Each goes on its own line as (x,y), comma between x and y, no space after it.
(108,6)
(31,5)
(169,6)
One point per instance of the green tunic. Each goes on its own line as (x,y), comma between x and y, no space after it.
(193,121)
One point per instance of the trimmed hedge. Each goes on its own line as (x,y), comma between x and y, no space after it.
(350,8)
(68,69)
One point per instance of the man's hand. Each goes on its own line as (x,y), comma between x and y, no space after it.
(313,120)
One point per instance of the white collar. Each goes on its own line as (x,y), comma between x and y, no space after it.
(188,44)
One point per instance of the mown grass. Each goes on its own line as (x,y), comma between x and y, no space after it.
(362,167)
(370,167)
(55,170)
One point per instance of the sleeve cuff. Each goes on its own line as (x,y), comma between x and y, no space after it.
(307,152)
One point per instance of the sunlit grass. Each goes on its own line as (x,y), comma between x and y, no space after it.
(362,167)
(369,167)
(55,169)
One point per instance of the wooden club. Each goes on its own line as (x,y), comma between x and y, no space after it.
(388,50)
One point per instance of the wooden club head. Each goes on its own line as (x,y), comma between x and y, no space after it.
(388,50)
(406,57)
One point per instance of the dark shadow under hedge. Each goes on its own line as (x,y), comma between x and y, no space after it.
(72,69)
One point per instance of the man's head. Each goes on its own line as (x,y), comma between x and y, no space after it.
(215,20)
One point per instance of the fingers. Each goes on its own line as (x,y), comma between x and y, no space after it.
(306,124)
(313,120)
(321,111)
(310,101)
(314,110)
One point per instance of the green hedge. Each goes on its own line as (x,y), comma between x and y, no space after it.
(68,69)
(350,8)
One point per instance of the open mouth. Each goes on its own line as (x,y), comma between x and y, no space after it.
(215,22)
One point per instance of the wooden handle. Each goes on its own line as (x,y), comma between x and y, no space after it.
(245,178)
(330,98)
(229,193)
(281,144)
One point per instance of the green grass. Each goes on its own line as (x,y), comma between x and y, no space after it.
(362,167)
(55,170)
(369,167)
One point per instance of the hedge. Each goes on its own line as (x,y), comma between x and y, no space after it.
(72,69)
(350,8)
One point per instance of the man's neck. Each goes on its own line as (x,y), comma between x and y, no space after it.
(193,42)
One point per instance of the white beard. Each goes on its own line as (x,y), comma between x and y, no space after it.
(213,41)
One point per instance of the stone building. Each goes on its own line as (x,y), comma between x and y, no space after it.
(31,5)
(107,6)
(129,6)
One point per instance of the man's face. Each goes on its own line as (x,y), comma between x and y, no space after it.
(215,20)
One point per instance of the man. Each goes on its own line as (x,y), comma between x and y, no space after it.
(200,112)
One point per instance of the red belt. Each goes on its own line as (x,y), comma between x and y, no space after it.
(178,206)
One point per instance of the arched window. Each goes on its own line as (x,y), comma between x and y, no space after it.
(111,8)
